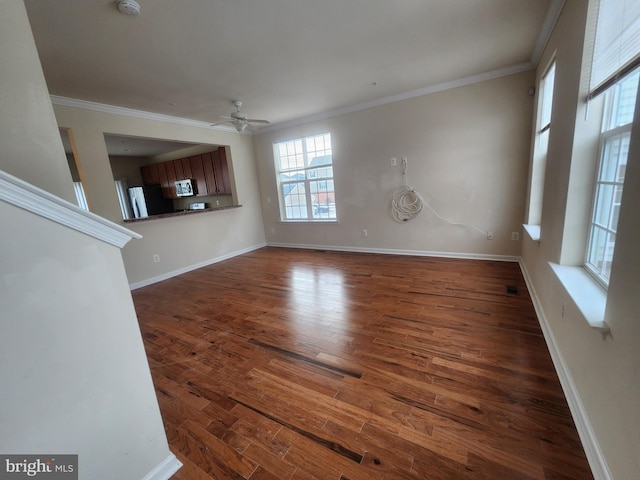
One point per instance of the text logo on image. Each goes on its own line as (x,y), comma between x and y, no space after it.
(46,467)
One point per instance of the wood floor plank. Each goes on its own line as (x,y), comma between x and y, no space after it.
(222,452)
(297,365)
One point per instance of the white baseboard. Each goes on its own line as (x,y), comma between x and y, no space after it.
(595,457)
(385,251)
(418,253)
(165,469)
(597,462)
(189,268)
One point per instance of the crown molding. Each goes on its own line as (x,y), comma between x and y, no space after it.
(553,13)
(130,112)
(461,82)
(555,8)
(22,194)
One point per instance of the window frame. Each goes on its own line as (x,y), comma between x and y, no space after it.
(81,196)
(540,147)
(606,135)
(544,88)
(307,181)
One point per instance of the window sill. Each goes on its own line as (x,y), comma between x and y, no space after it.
(586,293)
(331,220)
(533,231)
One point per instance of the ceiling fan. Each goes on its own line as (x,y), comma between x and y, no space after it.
(239,119)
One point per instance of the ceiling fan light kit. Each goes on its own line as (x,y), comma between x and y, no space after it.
(239,119)
(129,7)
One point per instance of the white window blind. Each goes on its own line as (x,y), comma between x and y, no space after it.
(616,49)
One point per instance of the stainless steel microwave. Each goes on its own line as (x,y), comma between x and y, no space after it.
(185,188)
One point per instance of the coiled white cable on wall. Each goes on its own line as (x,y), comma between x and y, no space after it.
(407,203)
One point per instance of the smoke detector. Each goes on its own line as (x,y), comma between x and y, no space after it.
(128,7)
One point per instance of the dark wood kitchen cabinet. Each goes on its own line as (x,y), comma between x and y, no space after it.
(216,172)
(162,174)
(209,175)
(171,179)
(164,180)
(197,174)
(186,167)
(221,171)
(177,166)
(209,172)
(150,175)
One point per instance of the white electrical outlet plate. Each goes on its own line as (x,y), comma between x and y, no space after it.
(515,235)
(156,258)
(365,233)
(394,161)
(489,235)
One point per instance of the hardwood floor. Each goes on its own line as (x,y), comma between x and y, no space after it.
(296,364)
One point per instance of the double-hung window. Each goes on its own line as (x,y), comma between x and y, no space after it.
(304,169)
(539,164)
(614,150)
(615,70)
(546,102)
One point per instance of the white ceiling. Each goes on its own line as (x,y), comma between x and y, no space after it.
(286,59)
(127,146)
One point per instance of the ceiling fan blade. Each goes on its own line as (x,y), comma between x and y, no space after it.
(221,123)
(239,119)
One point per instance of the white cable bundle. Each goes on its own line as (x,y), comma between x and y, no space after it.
(406,203)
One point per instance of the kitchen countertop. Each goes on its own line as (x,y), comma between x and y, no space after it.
(180,213)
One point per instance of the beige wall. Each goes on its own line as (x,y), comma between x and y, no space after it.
(129,168)
(74,376)
(605,372)
(468,151)
(181,242)
(26,135)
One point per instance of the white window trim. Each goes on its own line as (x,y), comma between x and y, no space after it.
(533,231)
(307,182)
(586,293)
(538,157)
(123,198)
(542,84)
(603,137)
(81,197)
